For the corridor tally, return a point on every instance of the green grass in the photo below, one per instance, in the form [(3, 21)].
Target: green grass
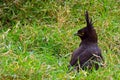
[(37, 41)]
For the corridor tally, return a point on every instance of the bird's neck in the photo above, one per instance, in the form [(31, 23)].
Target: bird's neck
[(89, 41)]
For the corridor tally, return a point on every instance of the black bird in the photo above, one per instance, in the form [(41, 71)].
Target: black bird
[(88, 55)]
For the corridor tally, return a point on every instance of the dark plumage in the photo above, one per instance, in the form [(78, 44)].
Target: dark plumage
[(88, 55)]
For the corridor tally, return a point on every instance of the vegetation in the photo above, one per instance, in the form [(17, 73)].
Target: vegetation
[(36, 38)]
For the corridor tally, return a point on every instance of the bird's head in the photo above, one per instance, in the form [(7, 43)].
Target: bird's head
[(88, 32)]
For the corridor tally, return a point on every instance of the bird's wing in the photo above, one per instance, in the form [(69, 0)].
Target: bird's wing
[(85, 56), (75, 56), (88, 56)]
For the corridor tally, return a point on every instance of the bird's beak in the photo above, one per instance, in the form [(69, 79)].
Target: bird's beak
[(75, 34)]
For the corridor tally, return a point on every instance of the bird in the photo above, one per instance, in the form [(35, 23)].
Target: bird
[(88, 55)]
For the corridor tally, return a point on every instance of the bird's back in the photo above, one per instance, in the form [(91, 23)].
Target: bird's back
[(85, 54)]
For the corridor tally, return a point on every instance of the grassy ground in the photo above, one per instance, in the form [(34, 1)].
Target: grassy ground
[(39, 48)]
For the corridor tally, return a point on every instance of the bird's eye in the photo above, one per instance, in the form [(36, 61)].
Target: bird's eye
[(82, 33)]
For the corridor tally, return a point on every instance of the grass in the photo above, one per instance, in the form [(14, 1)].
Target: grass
[(38, 43)]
